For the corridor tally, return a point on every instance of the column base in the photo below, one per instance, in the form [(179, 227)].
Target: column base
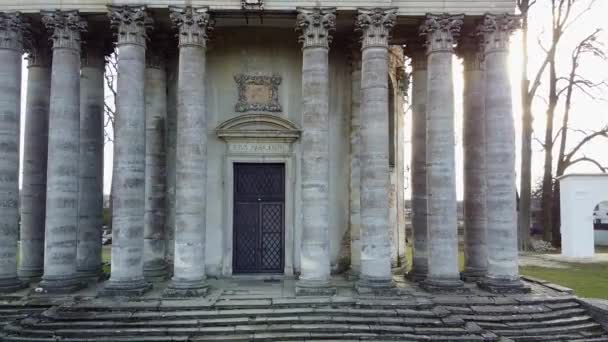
[(503, 286), (472, 275), (315, 288), (90, 275), (156, 272), (417, 274), (180, 288), (30, 275), (59, 285), (125, 288), (444, 285), (376, 287), (12, 285)]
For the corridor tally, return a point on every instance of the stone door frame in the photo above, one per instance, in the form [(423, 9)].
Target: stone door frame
[(260, 139)]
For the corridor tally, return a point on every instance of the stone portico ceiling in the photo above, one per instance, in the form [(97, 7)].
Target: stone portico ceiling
[(404, 7)]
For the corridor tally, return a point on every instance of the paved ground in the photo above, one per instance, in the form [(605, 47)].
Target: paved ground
[(557, 260)]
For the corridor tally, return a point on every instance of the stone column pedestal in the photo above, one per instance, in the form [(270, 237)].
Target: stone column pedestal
[(11, 49), (156, 113), (375, 276), (90, 203), (33, 192), (474, 142), (63, 155), (443, 273), (127, 277), (419, 269), (316, 25), (503, 268), (189, 277)]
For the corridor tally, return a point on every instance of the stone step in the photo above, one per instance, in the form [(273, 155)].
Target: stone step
[(536, 324), (67, 314), (525, 317), (406, 321), (564, 329)]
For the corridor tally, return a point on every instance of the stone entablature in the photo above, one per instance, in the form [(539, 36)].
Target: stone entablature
[(404, 7)]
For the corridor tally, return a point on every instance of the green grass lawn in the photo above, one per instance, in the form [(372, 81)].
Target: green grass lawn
[(587, 280)]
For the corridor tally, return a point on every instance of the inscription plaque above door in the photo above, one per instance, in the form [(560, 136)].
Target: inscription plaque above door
[(258, 93)]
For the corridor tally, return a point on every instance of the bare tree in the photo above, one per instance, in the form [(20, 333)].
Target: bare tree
[(563, 16), (109, 106), (527, 94)]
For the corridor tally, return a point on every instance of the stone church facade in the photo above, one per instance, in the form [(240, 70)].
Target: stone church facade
[(243, 146)]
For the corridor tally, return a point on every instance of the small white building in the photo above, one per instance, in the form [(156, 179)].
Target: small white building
[(583, 201)]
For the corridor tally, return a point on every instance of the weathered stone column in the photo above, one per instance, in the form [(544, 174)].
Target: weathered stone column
[(90, 201), (127, 276), (474, 140), (503, 271), (63, 154), (156, 113), (33, 192), (355, 164), (417, 53), (189, 277), (171, 143), (375, 25), (315, 25), (443, 273), (11, 48)]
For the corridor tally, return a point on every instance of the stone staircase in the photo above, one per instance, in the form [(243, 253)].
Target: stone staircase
[(437, 318)]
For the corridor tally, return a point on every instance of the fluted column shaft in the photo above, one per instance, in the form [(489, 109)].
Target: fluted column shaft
[(355, 163), (443, 273), (474, 142), (418, 162), (375, 25), (503, 270), (316, 25), (63, 154), (127, 277), (156, 113), (33, 192), (90, 202), (11, 48), (191, 173)]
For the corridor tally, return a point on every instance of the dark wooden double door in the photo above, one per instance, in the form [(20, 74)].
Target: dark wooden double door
[(259, 218)]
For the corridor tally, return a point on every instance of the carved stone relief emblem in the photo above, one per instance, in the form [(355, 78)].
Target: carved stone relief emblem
[(258, 93)]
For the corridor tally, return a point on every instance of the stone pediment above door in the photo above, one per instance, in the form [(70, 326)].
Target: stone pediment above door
[(258, 127)]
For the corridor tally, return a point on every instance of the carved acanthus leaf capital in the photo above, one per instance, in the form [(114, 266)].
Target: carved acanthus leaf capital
[(39, 49), (131, 24), (316, 25), (496, 31), (441, 31), (375, 25), (66, 28), (12, 30), (193, 24)]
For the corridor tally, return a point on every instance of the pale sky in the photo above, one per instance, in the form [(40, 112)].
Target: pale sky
[(587, 114)]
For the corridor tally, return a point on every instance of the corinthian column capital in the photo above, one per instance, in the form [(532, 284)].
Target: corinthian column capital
[(66, 28), (316, 25), (193, 24), (441, 31), (496, 31), (38, 48), (131, 23), (375, 24), (12, 29)]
